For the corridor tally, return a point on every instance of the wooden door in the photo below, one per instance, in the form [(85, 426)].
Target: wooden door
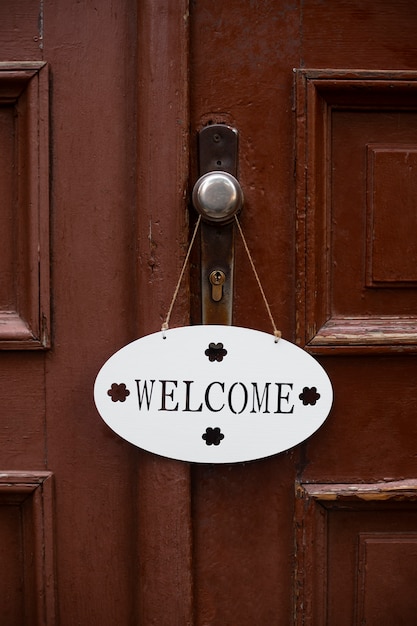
[(100, 105)]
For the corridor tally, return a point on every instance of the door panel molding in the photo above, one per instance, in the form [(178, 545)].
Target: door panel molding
[(344, 532), (24, 185), (29, 592), (356, 172)]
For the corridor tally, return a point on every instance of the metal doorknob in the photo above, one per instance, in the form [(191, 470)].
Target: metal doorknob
[(218, 196)]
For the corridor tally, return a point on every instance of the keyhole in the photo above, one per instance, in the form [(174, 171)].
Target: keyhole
[(217, 279)]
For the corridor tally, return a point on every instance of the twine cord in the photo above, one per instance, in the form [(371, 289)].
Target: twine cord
[(277, 333), (165, 325)]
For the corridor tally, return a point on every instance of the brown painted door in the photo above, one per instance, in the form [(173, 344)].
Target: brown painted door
[(100, 104)]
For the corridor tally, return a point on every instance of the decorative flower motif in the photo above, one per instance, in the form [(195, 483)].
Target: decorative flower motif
[(118, 393), (309, 395), (215, 352), (213, 436)]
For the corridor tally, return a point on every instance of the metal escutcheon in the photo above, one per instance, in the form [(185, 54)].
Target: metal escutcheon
[(218, 196)]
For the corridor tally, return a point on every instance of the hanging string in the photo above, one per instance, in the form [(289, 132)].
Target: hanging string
[(277, 333), (165, 325)]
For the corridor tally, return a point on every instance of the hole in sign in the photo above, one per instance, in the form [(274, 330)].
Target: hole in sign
[(215, 352), (213, 436)]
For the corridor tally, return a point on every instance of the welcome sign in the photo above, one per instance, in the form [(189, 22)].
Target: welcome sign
[(213, 394)]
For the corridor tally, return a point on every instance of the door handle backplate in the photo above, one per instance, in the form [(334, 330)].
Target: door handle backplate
[(218, 197)]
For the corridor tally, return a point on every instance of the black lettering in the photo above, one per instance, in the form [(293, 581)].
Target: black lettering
[(206, 398), (245, 398), (188, 384), (167, 394), (144, 393), (265, 396), (285, 398)]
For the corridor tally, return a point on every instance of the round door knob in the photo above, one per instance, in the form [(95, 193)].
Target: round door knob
[(217, 196)]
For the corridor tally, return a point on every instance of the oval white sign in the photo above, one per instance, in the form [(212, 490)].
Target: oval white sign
[(213, 394)]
